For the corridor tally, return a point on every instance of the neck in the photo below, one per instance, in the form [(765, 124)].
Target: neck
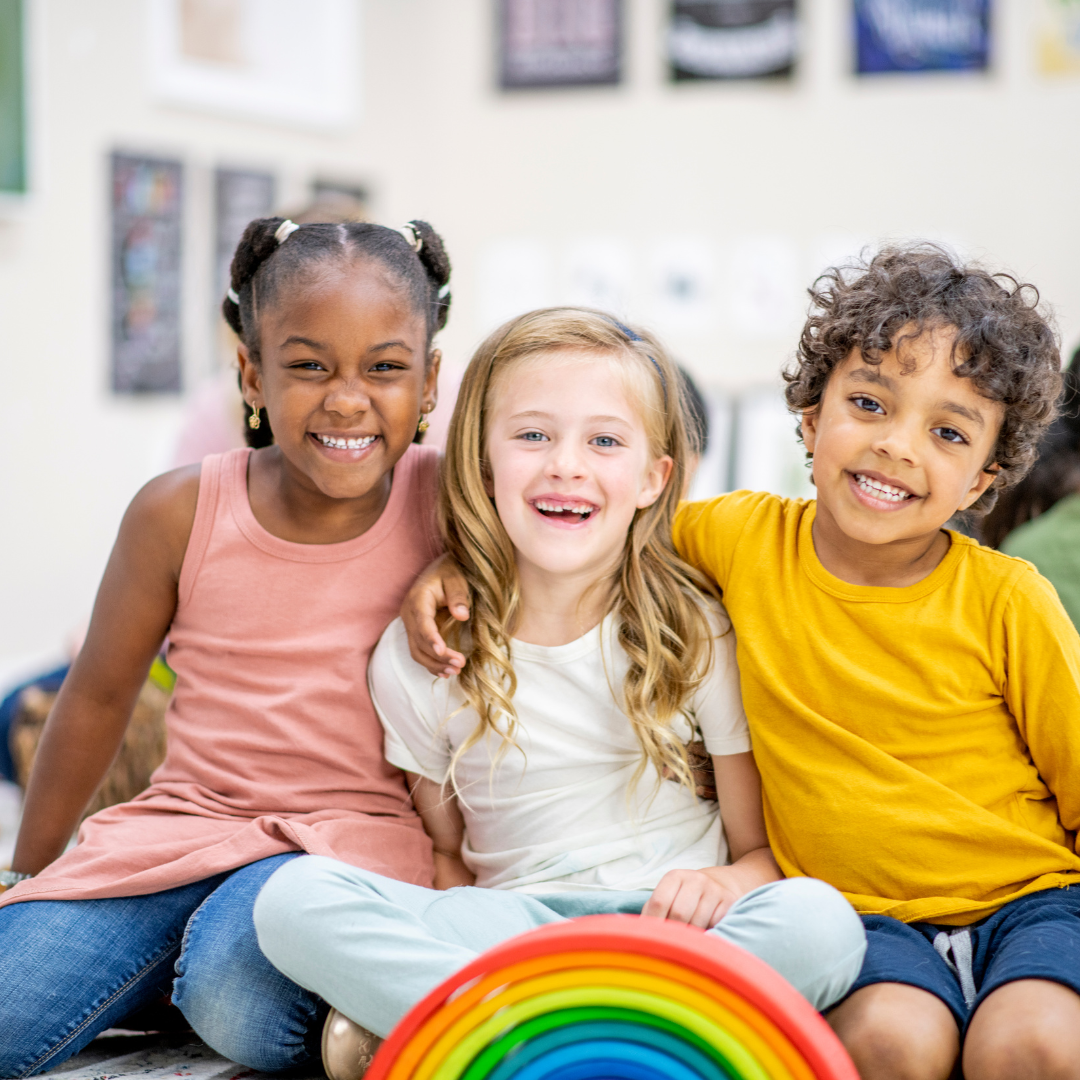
[(559, 608), (290, 507), (896, 564)]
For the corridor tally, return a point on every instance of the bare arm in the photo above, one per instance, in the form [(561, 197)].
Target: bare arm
[(441, 585), (135, 605), (703, 897), (441, 815)]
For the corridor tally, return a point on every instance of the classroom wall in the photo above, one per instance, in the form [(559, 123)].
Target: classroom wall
[(764, 182)]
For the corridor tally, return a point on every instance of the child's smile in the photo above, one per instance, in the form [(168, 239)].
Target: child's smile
[(899, 446)]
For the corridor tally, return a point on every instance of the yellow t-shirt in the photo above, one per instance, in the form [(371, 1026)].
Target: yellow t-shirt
[(919, 747)]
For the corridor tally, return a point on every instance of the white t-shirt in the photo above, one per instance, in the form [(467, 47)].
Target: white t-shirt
[(559, 814)]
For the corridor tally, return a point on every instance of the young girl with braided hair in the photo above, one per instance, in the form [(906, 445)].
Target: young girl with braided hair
[(540, 769), (272, 572)]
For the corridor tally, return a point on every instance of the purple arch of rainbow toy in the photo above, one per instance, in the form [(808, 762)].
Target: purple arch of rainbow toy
[(613, 997)]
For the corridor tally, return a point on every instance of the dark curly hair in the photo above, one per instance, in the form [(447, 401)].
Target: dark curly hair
[(263, 266), (1003, 343)]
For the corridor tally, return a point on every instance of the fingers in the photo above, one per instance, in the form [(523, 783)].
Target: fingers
[(457, 594), (690, 897)]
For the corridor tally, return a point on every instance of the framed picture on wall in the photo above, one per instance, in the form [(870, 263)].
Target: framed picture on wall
[(12, 99), (1059, 37), (732, 39), (546, 43), (292, 62), (240, 195), (146, 231), (921, 35)]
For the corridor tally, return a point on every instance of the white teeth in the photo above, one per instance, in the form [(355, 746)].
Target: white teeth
[(552, 508), (879, 490), (345, 444)]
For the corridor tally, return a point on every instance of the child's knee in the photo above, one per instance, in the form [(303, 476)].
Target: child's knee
[(288, 891), (814, 919)]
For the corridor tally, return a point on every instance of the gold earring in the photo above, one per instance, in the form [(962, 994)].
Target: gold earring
[(254, 420), (423, 425)]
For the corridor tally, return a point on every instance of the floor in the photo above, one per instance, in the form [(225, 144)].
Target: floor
[(157, 1057)]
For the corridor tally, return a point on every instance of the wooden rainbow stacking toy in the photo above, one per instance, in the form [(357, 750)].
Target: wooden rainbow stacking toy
[(615, 997)]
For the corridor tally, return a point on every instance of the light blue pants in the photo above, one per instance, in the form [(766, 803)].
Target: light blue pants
[(373, 947)]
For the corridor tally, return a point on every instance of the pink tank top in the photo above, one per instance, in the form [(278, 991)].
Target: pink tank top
[(273, 742)]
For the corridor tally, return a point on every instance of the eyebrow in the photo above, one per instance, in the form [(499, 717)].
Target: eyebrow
[(320, 346), (964, 411), (870, 375), (551, 416)]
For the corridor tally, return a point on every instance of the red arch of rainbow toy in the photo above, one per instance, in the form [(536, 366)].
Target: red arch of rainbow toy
[(613, 996)]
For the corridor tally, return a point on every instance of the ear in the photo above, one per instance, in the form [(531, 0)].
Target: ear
[(983, 480), (431, 381), (656, 478), (809, 428), (250, 376)]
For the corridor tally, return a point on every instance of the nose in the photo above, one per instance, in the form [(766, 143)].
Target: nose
[(347, 397), (565, 461), (898, 439)]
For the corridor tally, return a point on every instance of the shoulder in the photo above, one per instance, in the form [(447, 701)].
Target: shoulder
[(392, 667), (994, 571), (736, 509), (165, 506)]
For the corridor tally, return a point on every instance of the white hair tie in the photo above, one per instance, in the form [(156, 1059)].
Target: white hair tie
[(231, 294), (412, 237), (444, 292), (284, 231)]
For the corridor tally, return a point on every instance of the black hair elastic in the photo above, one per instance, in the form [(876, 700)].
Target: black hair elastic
[(637, 337)]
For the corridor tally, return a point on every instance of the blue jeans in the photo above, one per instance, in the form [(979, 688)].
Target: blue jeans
[(373, 947), (69, 969)]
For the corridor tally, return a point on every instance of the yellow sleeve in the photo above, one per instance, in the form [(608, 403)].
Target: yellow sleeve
[(706, 532), (1042, 687)]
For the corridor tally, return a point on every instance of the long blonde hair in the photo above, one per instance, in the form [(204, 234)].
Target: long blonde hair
[(662, 625)]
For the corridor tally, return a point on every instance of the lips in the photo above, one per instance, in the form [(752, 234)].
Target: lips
[(877, 491), (565, 510)]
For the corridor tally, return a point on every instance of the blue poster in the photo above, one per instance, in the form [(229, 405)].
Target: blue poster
[(921, 35)]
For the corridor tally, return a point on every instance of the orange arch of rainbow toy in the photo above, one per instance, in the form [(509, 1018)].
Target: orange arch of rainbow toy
[(618, 997)]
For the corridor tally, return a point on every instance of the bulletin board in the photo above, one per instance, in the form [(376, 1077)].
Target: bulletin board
[(146, 234), (12, 99)]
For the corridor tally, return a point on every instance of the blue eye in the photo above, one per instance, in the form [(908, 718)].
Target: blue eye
[(606, 440), (867, 404), (533, 436), (949, 434)]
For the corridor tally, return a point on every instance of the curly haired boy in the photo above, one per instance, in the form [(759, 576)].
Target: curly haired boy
[(913, 697)]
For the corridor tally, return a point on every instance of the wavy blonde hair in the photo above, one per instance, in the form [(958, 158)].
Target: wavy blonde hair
[(662, 624)]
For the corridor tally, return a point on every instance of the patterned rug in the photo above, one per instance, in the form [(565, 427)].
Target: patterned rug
[(158, 1057)]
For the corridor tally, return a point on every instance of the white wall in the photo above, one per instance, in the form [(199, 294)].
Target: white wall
[(788, 174)]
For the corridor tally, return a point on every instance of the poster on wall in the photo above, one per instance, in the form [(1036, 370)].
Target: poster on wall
[(240, 195), (12, 110), (291, 62), (921, 35), (146, 229), (545, 43), (732, 39), (1059, 37)]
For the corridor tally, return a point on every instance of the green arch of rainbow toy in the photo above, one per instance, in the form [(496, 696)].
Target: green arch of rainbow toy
[(616, 997)]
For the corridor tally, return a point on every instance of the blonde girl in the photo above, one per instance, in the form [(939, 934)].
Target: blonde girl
[(552, 773)]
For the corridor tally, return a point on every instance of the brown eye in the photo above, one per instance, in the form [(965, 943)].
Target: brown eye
[(949, 434)]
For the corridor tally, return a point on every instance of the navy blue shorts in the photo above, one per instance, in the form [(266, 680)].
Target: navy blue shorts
[(1035, 937)]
